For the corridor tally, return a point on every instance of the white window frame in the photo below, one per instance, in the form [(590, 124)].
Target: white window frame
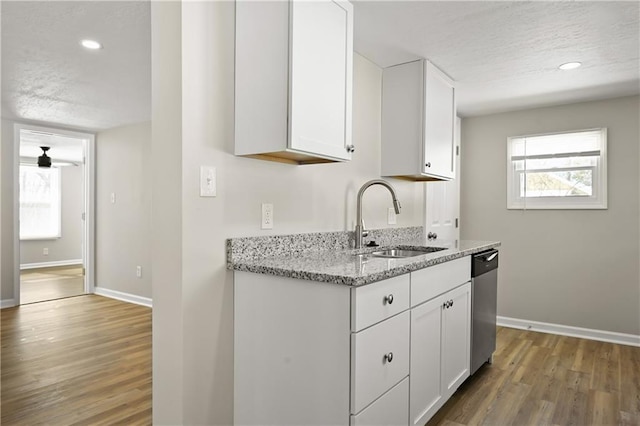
[(57, 235), (598, 199)]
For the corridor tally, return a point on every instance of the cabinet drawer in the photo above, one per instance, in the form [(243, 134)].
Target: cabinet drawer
[(390, 409), (375, 302), (430, 282), (379, 359)]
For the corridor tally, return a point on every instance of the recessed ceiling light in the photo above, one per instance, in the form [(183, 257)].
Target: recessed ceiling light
[(570, 66), (91, 44)]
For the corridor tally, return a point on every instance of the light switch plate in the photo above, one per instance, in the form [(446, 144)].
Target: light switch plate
[(207, 181)]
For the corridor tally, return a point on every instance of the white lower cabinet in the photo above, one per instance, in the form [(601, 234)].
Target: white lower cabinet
[(456, 338), (440, 352), (379, 359), (389, 353), (389, 410), (426, 331)]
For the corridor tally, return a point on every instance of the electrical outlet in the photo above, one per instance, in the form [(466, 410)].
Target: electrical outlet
[(45, 251), (113, 198), (139, 271), (267, 216), (391, 216)]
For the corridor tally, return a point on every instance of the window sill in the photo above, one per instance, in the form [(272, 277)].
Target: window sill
[(40, 238)]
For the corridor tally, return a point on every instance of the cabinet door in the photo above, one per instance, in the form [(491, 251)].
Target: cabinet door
[(321, 56), (456, 337), (439, 123), (425, 397)]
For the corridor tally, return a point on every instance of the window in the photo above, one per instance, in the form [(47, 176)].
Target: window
[(40, 201), (558, 171)]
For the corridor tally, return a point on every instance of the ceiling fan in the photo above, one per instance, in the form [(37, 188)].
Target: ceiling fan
[(44, 160)]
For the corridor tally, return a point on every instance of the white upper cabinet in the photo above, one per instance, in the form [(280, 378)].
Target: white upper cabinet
[(293, 82), (418, 119)]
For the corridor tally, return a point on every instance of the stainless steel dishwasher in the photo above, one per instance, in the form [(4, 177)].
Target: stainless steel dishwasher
[(484, 290)]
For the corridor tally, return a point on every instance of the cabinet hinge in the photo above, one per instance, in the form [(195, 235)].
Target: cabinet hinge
[(457, 149), (456, 222)]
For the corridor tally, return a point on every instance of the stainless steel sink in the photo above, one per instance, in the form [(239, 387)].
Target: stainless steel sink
[(401, 252)]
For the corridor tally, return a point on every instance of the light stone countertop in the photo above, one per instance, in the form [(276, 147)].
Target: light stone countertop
[(354, 267)]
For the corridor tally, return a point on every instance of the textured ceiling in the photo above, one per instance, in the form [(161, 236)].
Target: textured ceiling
[(47, 76), (504, 55)]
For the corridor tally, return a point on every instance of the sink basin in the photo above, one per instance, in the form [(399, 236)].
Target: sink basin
[(402, 253)]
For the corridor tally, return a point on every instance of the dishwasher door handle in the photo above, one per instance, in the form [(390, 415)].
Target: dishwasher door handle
[(491, 257)]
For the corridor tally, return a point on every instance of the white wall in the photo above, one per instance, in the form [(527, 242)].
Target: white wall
[(69, 246), (166, 213), (6, 204), (123, 228), (305, 198), (569, 267)]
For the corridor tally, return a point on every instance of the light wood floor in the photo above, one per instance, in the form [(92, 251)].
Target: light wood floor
[(87, 360), (544, 379), (81, 360), (41, 284)]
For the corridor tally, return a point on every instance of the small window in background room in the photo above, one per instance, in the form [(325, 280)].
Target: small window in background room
[(558, 171), (40, 203)]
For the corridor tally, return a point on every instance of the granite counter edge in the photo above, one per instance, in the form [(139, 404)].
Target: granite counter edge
[(362, 280)]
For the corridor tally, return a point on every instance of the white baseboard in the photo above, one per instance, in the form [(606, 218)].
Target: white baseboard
[(71, 262), (567, 330), (125, 297), (7, 303)]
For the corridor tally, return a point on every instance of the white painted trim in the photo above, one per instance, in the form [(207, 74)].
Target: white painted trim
[(567, 330), (71, 262), (7, 303), (125, 297), (89, 202), (89, 235), (16, 213)]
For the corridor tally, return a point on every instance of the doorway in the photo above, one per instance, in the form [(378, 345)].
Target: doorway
[(54, 218), (442, 202)]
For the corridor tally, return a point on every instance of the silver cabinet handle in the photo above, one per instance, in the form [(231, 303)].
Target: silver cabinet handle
[(388, 299), (388, 357), (351, 148)]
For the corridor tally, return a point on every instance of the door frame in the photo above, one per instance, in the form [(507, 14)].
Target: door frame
[(456, 181), (88, 234)]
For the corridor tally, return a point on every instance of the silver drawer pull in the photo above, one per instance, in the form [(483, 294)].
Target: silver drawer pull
[(388, 299), (388, 357)]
